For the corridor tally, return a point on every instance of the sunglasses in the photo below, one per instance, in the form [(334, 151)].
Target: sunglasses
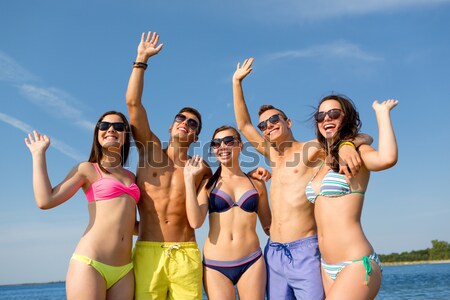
[(332, 113), (191, 123), (103, 126), (228, 141), (273, 120)]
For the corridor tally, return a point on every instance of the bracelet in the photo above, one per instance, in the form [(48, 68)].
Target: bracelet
[(346, 143), (141, 65)]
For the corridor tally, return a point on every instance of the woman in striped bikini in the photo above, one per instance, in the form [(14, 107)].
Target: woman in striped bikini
[(350, 267)]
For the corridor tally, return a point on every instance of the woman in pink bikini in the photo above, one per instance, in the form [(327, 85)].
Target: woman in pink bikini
[(101, 266)]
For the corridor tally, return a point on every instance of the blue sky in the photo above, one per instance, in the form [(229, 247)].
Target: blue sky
[(63, 64)]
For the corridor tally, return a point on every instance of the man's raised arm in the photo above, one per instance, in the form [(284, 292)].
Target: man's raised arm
[(140, 127), (242, 116)]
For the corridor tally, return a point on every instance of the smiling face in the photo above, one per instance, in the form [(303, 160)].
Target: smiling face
[(333, 117), (184, 130), (110, 136), (227, 152), (277, 131)]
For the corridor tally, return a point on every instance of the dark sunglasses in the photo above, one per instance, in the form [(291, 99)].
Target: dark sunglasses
[(228, 141), (332, 113), (103, 126), (273, 119), (191, 123)]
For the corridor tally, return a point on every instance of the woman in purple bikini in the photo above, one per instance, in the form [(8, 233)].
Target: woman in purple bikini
[(232, 253)]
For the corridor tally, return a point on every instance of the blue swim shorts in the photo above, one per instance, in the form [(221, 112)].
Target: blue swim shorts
[(293, 270)]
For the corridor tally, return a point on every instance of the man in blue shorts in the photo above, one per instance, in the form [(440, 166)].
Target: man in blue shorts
[(292, 254)]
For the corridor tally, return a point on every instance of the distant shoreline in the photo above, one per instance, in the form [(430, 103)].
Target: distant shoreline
[(400, 263), (420, 262)]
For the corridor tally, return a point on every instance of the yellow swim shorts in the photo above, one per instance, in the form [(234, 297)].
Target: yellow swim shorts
[(167, 270)]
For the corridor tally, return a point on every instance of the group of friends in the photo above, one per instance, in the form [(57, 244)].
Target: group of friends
[(316, 247)]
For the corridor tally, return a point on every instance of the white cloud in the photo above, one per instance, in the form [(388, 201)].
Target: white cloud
[(57, 103), (11, 71), (58, 145), (339, 49)]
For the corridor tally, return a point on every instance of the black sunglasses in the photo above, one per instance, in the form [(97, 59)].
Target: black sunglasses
[(332, 113), (103, 126), (193, 124), (227, 140), (273, 119)]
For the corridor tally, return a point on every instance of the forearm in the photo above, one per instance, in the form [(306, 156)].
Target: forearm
[(41, 182), (135, 86), (193, 211), (387, 144), (240, 107)]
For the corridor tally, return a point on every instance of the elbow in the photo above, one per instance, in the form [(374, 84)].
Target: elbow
[(43, 205), (131, 102), (386, 163), (391, 160), (195, 225)]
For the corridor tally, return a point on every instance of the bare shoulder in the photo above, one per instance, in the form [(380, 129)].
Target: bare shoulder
[(84, 168)]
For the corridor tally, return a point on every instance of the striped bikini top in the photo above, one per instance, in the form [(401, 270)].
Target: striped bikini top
[(220, 202), (333, 185)]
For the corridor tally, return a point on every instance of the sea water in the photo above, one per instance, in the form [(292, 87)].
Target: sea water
[(421, 281)]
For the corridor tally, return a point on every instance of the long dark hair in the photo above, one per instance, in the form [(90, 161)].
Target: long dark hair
[(349, 129), (216, 174), (96, 150)]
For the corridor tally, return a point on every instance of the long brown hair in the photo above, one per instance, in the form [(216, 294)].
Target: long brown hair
[(216, 174), (96, 150), (349, 129)]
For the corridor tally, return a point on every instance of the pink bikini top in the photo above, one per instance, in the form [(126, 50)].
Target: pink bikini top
[(107, 188)]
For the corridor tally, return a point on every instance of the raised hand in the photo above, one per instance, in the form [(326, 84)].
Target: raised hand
[(242, 71), (193, 166), (386, 105), (37, 143), (149, 45)]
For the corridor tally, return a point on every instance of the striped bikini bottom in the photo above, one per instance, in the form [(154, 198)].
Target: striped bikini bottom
[(333, 269)]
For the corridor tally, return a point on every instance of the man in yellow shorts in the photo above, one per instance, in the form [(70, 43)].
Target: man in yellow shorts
[(167, 261)]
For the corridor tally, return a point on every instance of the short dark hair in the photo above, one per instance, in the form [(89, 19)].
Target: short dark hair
[(267, 107), (195, 113)]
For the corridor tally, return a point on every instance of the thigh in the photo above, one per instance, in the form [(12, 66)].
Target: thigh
[(350, 283), (123, 289), (327, 282), (304, 273), (185, 272), (217, 285), (252, 284), (277, 286), (83, 282), (149, 274)]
